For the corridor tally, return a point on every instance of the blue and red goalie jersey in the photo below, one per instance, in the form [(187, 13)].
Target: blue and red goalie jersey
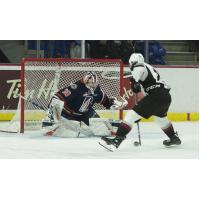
[(79, 100)]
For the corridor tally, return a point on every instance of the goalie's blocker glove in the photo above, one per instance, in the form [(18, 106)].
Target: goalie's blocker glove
[(135, 86)]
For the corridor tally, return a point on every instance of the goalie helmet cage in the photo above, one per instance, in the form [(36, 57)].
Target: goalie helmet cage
[(41, 77)]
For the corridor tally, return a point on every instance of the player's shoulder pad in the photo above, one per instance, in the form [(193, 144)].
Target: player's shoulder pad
[(73, 86)]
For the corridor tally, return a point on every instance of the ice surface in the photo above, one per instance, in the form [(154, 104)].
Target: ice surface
[(34, 145)]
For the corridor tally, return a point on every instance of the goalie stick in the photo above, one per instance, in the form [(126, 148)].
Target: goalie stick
[(3, 131)]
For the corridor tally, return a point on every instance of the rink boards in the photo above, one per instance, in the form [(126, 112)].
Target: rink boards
[(38, 115), (184, 92)]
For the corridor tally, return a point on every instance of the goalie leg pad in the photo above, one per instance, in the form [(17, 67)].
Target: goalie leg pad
[(100, 127), (55, 109), (66, 128)]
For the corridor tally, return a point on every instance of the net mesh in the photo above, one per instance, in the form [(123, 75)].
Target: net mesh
[(43, 78)]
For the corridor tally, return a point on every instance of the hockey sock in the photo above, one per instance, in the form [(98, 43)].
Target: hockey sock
[(169, 131), (123, 130)]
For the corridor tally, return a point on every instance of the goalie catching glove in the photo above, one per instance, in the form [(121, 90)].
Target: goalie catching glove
[(113, 103), (135, 86), (117, 105)]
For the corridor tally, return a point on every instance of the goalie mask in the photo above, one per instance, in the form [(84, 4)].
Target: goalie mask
[(90, 80), (135, 58)]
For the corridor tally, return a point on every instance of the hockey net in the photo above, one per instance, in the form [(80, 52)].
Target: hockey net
[(41, 78)]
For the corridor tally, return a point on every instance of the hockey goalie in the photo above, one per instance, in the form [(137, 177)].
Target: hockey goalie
[(71, 113)]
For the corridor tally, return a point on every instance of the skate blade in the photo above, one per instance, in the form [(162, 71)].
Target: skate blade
[(108, 147)]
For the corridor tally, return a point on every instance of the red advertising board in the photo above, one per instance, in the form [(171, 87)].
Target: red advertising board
[(9, 85)]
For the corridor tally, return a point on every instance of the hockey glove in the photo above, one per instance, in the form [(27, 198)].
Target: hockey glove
[(136, 87), (117, 105)]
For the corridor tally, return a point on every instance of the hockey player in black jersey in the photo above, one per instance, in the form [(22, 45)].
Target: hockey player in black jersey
[(75, 103), (156, 102)]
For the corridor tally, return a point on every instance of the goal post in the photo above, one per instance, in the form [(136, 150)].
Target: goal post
[(41, 77)]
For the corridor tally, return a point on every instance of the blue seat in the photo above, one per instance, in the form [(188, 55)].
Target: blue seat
[(156, 51), (31, 44)]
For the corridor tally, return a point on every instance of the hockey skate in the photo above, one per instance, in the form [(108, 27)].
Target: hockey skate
[(111, 143), (174, 140), (49, 127)]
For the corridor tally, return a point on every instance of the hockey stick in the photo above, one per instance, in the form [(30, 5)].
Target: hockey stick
[(127, 74), (32, 102), (137, 143), (115, 76), (35, 104), (3, 131)]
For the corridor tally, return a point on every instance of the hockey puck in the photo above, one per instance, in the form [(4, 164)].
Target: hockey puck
[(136, 143)]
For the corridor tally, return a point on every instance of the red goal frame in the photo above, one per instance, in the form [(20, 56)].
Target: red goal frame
[(59, 60)]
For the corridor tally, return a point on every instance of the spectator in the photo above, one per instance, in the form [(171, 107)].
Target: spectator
[(194, 45), (102, 49), (75, 49), (3, 57), (98, 48), (118, 49), (49, 48), (61, 49), (113, 48), (92, 48), (55, 48), (156, 51), (126, 49)]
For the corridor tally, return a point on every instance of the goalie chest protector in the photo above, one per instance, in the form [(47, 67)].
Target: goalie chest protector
[(79, 98)]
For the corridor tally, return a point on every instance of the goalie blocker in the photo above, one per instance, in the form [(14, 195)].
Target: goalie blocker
[(75, 102)]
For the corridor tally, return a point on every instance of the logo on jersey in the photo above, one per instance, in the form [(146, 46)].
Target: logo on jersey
[(152, 87), (86, 104)]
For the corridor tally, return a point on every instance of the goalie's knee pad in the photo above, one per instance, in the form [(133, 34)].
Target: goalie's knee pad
[(55, 109), (66, 133), (55, 101)]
